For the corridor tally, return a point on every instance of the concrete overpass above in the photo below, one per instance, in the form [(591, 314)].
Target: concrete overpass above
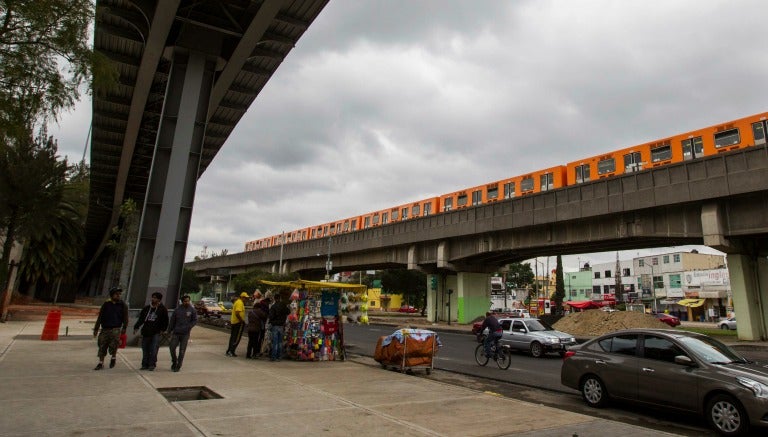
[(719, 201), (187, 72)]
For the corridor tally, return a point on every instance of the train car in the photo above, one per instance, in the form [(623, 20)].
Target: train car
[(732, 135), (473, 196), (543, 180), (421, 208)]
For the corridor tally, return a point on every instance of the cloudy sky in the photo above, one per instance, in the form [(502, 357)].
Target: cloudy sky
[(384, 102)]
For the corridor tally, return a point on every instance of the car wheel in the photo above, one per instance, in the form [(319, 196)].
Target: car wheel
[(724, 326), (726, 415), (537, 351), (593, 391)]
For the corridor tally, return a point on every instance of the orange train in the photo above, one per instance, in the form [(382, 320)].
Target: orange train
[(732, 135)]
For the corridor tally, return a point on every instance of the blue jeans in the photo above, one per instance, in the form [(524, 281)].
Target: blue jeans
[(277, 342), (149, 345), (178, 341), (490, 339)]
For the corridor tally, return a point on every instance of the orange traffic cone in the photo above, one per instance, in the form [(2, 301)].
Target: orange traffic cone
[(51, 328)]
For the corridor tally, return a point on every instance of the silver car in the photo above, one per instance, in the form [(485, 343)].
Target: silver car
[(729, 323), (531, 335), (681, 370)]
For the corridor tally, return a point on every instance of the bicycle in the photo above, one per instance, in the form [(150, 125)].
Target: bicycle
[(502, 354)]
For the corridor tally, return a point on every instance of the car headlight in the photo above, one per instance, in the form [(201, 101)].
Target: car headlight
[(551, 340), (759, 389)]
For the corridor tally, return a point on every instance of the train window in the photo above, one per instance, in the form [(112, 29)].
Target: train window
[(415, 211), (405, 213), (509, 190), (758, 131), (526, 184), (395, 214), (693, 148), (313, 233), (332, 229), (477, 197), (325, 230), (727, 138), (662, 153), (547, 181), (427, 209), (447, 204), (346, 226), (461, 200), (632, 162), (375, 220), (367, 223), (354, 224), (582, 173), (493, 193), (303, 235), (606, 166), (384, 218)]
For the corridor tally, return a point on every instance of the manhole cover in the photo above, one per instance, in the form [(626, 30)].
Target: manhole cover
[(178, 394)]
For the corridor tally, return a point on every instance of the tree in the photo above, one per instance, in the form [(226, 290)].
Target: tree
[(249, 281), (520, 276), (412, 284), (559, 286), (189, 282), (45, 57)]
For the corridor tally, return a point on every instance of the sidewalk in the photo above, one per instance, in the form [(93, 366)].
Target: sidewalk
[(50, 389)]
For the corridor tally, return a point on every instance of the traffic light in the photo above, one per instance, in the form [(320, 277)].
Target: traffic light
[(433, 283)]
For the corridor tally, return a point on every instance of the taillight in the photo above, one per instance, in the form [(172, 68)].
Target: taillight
[(568, 354)]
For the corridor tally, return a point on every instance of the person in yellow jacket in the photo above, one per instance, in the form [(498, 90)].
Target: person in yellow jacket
[(237, 323)]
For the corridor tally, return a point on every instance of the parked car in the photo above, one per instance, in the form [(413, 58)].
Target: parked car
[(672, 321), (226, 307), (531, 335), (680, 370), (208, 309), (729, 323), (608, 309), (407, 309)]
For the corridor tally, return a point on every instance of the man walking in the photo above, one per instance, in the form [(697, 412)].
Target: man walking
[(184, 318), (278, 313), (153, 320), (237, 323), (113, 320)]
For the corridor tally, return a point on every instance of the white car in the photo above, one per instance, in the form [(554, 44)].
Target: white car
[(729, 323), (519, 312)]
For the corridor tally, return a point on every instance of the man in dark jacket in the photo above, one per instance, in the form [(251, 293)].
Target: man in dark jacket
[(153, 320), (113, 320), (494, 332), (184, 318), (278, 313)]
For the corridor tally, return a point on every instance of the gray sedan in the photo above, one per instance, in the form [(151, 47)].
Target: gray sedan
[(530, 335), (681, 370), (729, 323)]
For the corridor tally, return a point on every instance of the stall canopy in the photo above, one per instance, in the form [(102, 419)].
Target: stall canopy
[(303, 283), (691, 302), (584, 305)]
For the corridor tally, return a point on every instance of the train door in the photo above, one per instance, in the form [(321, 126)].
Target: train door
[(758, 131), (633, 161), (693, 148)]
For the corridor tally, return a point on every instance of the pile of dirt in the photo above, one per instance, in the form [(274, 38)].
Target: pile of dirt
[(597, 322)]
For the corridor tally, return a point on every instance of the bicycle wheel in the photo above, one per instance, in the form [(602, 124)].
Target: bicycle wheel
[(480, 355), (504, 359)]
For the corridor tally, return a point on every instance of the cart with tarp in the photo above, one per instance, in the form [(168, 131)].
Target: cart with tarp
[(407, 349), (315, 330)]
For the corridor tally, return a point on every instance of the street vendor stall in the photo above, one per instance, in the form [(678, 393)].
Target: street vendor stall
[(315, 328), (408, 348)]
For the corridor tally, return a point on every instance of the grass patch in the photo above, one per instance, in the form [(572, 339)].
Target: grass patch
[(712, 332)]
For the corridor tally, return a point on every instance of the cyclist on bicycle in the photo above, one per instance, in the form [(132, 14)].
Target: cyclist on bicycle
[(494, 332)]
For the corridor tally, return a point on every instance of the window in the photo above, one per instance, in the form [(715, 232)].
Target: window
[(573, 293), (373, 303), (597, 275), (448, 204), (415, 210), (727, 138), (509, 190), (674, 281), (547, 181), (606, 166), (758, 131), (461, 201), (427, 209), (660, 349), (655, 261), (405, 213), (693, 148), (493, 192), (582, 173), (606, 289), (395, 215), (625, 272), (505, 324), (526, 184), (477, 197), (375, 219), (661, 153), (607, 273), (325, 230), (632, 162), (658, 282), (346, 226), (367, 223), (518, 325), (595, 289), (641, 263), (332, 229), (384, 218), (676, 257), (620, 344)]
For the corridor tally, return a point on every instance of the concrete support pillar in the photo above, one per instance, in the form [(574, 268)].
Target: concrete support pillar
[(472, 296), (170, 195), (749, 279)]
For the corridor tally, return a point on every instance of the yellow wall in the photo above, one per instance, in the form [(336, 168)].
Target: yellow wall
[(375, 302)]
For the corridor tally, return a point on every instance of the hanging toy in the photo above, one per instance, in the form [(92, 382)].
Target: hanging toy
[(364, 297)]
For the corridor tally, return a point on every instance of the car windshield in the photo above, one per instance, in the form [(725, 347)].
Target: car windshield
[(227, 305), (712, 351), (535, 325)]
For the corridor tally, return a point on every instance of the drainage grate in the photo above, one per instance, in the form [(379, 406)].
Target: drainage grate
[(179, 394)]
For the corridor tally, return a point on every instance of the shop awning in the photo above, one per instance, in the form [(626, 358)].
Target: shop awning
[(583, 305), (691, 302), (303, 283)]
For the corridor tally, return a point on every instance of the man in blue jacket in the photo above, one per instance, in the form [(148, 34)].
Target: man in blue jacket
[(184, 318)]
